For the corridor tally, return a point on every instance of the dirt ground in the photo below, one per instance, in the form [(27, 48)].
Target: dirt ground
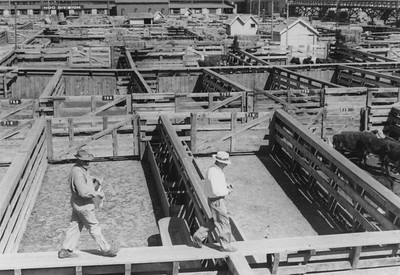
[(127, 217), (265, 203)]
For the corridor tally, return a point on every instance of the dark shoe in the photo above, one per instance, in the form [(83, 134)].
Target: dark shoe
[(228, 249), (64, 253), (112, 252)]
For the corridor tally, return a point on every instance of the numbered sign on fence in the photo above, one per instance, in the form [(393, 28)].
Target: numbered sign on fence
[(108, 97), (9, 123), (15, 101)]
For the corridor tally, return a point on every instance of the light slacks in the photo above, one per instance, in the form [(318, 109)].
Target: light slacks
[(79, 218), (220, 222)]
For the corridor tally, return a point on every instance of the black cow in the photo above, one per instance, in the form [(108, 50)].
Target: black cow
[(308, 60), (390, 152), (295, 60), (361, 144), (320, 61)]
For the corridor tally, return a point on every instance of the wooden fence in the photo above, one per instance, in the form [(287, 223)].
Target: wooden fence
[(379, 105), (355, 198), (20, 186), (392, 127), (106, 137), (358, 77)]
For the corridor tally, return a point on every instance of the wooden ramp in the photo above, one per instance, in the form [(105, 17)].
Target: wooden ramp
[(342, 252)]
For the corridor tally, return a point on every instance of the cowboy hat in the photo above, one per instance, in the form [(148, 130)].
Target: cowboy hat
[(222, 157), (84, 155)]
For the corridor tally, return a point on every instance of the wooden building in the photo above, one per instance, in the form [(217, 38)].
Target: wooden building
[(300, 33), (125, 7), (242, 25)]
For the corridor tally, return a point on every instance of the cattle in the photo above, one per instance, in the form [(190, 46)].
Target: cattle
[(320, 61), (364, 143), (295, 60), (359, 143), (308, 60)]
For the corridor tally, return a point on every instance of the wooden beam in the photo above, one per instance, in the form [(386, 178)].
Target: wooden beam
[(238, 265), (225, 102), (105, 107), (17, 129), (94, 137), (16, 109), (277, 99), (48, 91)]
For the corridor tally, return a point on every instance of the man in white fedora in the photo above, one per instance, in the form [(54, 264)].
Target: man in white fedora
[(216, 189), (83, 191)]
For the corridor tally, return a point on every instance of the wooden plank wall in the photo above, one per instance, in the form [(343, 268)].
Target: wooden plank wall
[(94, 84), (30, 85), (356, 199), (344, 109), (249, 80), (379, 104), (20, 187), (177, 84)]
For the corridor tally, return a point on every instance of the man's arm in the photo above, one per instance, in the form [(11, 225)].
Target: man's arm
[(84, 190)]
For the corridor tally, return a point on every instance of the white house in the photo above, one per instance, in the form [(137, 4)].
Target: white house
[(300, 33), (158, 16), (241, 25), (140, 18)]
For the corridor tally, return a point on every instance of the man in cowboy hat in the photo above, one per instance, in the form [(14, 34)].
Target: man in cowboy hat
[(83, 191), (216, 188)]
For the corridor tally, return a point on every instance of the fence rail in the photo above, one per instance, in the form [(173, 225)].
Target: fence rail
[(20, 186)]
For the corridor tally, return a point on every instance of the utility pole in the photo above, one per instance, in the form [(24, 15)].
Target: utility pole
[(272, 20), (259, 9), (222, 7), (15, 25), (287, 23)]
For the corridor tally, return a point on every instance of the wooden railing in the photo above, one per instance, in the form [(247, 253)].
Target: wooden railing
[(355, 198), (107, 137), (378, 107), (346, 54), (280, 79), (357, 77), (20, 186)]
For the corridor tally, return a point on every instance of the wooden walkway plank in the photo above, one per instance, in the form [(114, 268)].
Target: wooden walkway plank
[(169, 254)]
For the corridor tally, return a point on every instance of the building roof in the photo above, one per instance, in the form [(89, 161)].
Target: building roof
[(147, 2), (281, 28), (140, 15), (198, 5), (243, 18)]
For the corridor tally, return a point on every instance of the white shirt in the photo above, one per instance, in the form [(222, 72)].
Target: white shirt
[(215, 183)]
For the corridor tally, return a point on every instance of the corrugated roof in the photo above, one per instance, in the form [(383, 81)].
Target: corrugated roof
[(146, 2), (140, 15)]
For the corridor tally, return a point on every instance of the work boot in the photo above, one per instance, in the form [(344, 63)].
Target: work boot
[(197, 242), (112, 252), (228, 249), (64, 253)]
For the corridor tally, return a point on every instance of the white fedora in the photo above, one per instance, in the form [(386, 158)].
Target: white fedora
[(222, 157)]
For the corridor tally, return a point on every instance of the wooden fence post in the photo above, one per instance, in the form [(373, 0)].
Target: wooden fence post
[(135, 128), (105, 122), (233, 126), (193, 132), (70, 131), (49, 139), (115, 142), (92, 107), (129, 104)]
